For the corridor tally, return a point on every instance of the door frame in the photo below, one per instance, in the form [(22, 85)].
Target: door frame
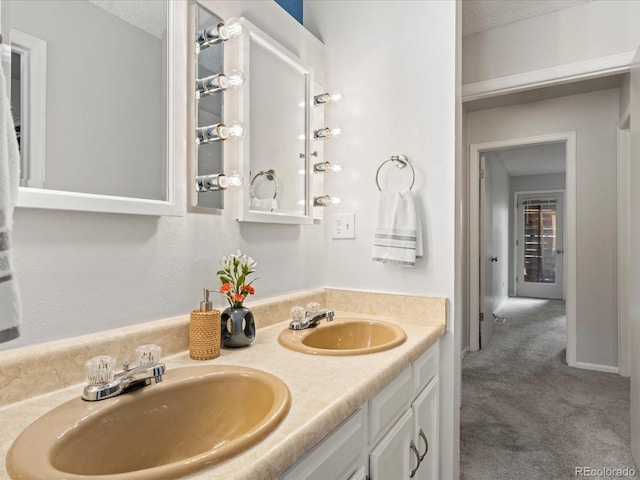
[(516, 233), (569, 138)]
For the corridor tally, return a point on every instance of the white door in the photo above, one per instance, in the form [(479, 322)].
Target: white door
[(539, 246), (486, 236), (486, 267)]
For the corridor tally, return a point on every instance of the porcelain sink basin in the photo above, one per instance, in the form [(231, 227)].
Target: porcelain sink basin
[(196, 418), (345, 335)]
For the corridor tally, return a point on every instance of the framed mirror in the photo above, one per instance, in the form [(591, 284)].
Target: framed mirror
[(99, 108), (276, 107)]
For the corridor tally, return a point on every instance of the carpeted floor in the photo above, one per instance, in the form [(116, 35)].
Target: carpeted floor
[(527, 415)]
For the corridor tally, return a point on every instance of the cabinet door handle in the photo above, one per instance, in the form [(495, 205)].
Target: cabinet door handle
[(412, 447), (426, 444)]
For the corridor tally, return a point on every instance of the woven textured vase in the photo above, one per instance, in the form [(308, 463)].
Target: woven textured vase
[(204, 335)]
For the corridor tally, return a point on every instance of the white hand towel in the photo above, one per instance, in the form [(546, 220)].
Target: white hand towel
[(264, 204), (10, 307), (398, 234)]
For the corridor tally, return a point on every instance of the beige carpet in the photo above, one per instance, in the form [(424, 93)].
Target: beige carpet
[(527, 415)]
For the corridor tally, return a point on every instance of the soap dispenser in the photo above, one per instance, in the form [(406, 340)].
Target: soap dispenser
[(204, 331)]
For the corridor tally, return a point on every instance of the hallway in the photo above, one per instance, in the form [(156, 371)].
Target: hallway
[(526, 414)]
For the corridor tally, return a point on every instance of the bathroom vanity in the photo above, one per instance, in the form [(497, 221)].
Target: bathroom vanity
[(350, 416)]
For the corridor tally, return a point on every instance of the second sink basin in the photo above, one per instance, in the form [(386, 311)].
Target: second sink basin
[(197, 417), (346, 335)]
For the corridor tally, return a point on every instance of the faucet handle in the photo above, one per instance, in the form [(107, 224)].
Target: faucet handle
[(297, 313), (100, 370), (148, 354), (313, 307)]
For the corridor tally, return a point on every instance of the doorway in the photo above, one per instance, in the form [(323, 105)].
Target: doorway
[(539, 245), (479, 258)]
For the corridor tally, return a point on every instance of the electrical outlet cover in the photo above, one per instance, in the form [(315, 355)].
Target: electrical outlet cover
[(343, 225)]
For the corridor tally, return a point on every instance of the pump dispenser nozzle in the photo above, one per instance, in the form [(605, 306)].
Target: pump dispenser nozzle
[(205, 304)]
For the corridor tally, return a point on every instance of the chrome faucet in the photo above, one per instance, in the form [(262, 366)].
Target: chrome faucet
[(311, 317), (103, 383)]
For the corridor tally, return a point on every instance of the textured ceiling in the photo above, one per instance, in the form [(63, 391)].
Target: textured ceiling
[(147, 15), (481, 15)]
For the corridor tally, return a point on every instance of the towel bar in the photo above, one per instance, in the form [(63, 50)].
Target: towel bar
[(400, 161)]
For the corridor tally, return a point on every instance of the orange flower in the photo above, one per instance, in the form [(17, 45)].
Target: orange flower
[(248, 289), (226, 287), (237, 297)]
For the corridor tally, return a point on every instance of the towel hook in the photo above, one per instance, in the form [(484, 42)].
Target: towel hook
[(400, 161)]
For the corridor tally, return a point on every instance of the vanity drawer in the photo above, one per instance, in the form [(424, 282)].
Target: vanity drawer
[(425, 367), (338, 456), (389, 404)]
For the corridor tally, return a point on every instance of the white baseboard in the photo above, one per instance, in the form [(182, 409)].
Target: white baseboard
[(596, 367), (464, 352)]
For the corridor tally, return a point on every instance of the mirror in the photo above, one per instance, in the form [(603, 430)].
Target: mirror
[(93, 94), (274, 156)]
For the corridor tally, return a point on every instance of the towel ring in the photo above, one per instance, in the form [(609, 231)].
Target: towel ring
[(271, 175), (400, 161)]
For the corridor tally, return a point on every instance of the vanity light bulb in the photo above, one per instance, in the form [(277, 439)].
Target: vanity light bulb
[(232, 180), (235, 79), (326, 98), (212, 133), (325, 201), (324, 133), (212, 84), (327, 166), (236, 130), (234, 27)]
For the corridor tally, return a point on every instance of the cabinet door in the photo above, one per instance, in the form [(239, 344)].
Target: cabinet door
[(426, 431), (395, 457), (338, 456)]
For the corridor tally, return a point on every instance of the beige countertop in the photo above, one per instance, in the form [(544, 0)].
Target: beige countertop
[(325, 390)]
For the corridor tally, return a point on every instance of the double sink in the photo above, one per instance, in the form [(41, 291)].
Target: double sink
[(195, 418)]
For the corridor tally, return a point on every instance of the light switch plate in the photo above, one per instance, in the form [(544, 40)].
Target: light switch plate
[(344, 225)]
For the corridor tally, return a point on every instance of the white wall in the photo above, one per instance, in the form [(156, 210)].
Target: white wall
[(86, 272), (592, 30), (528, 183), (594, 117), (398, 98), (400, 108), (496, 230)]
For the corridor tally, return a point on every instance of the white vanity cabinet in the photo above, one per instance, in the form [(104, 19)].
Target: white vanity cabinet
[(408, 449), (338, 456), (394, 436)]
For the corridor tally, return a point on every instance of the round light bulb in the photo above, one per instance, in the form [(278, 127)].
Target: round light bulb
[(235, 27), (235, 79), (236, 130), (232, 180)]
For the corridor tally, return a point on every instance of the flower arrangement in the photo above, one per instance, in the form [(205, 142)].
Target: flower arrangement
[(233, 278)]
